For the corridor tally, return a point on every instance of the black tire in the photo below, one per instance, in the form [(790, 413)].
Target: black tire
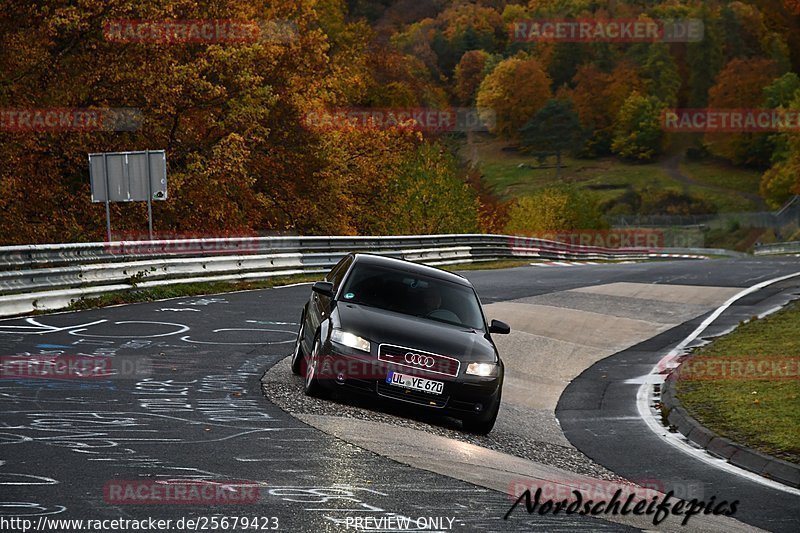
[(482, 425), (478, 427), (311, 385), (298, 357)]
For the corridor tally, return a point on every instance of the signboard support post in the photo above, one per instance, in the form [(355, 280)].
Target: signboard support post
[(149, 195), (108, 209)]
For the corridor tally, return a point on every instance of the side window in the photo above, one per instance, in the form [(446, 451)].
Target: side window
[(337, 274), (330, 275)]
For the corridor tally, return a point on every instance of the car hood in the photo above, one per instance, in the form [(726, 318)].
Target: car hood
[(387, 327)]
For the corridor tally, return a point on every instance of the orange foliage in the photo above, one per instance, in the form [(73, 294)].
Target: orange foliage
[(598, 96), (469, 74), (516, 89), (740, 84)]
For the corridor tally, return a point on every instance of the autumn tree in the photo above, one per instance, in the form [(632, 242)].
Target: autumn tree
[(468, 75), (197, 100), (514, 91), (740, 36), (396, 79), (441, 41), (464, 27), (598, 97), (553, 209), (782, 180), (740, 84), (230, 115), (429, 197)]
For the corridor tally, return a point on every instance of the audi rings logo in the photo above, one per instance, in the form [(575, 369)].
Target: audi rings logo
[(419, 360)]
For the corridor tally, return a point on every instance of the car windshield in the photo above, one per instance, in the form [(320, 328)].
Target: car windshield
[(413, 294)]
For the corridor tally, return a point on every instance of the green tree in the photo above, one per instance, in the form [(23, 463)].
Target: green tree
[(705, 58), (661, 76), (782, 91), (554, 129), (638, 134), (779, 95), (782, 180), (564, 62)]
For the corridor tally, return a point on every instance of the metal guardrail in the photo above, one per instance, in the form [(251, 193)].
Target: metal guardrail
[(51, 276), (792, 247), (788, 215)]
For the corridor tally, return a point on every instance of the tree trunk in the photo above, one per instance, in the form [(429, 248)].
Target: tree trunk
[(558, 164)]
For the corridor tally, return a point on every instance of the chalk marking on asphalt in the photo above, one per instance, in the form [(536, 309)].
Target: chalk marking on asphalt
[(677, 439), (182, 328), (292, 333), (41, 328)]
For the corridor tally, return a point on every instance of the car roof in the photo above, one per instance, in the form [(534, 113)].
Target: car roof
[(409, 266)]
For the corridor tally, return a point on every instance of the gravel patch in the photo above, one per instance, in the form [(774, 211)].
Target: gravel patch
[(509, 436)]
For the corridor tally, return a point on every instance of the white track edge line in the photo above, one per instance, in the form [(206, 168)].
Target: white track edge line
[(679, 442)]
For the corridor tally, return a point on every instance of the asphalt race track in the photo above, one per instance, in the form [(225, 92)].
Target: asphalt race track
[(187, 405)]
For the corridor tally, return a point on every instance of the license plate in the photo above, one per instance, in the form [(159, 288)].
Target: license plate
[(414, 383)]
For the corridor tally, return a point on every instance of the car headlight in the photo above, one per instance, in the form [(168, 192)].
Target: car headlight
[(482, 369), (348, 339)]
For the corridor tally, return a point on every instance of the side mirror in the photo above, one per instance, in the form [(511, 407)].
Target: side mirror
[(325, 288), (499, 327)]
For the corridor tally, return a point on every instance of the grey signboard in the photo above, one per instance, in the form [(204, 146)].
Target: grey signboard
[(128, 176)]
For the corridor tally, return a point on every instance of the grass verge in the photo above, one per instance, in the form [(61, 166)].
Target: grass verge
[(761, 414), (510, 174), (720, 174)]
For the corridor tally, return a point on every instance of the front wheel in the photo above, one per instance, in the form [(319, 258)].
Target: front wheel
[(481, 426), (311, 385), (298, 357)]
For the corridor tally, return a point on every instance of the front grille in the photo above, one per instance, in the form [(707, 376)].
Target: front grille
[(419, 360), (412, 396)]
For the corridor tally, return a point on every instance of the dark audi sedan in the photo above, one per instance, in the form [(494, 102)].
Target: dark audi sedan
[(405, 332)]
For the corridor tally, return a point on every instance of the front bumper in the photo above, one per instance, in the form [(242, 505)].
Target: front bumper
[(347, 369)]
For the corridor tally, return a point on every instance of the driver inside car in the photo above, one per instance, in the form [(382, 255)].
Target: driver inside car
[(432, 299)]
